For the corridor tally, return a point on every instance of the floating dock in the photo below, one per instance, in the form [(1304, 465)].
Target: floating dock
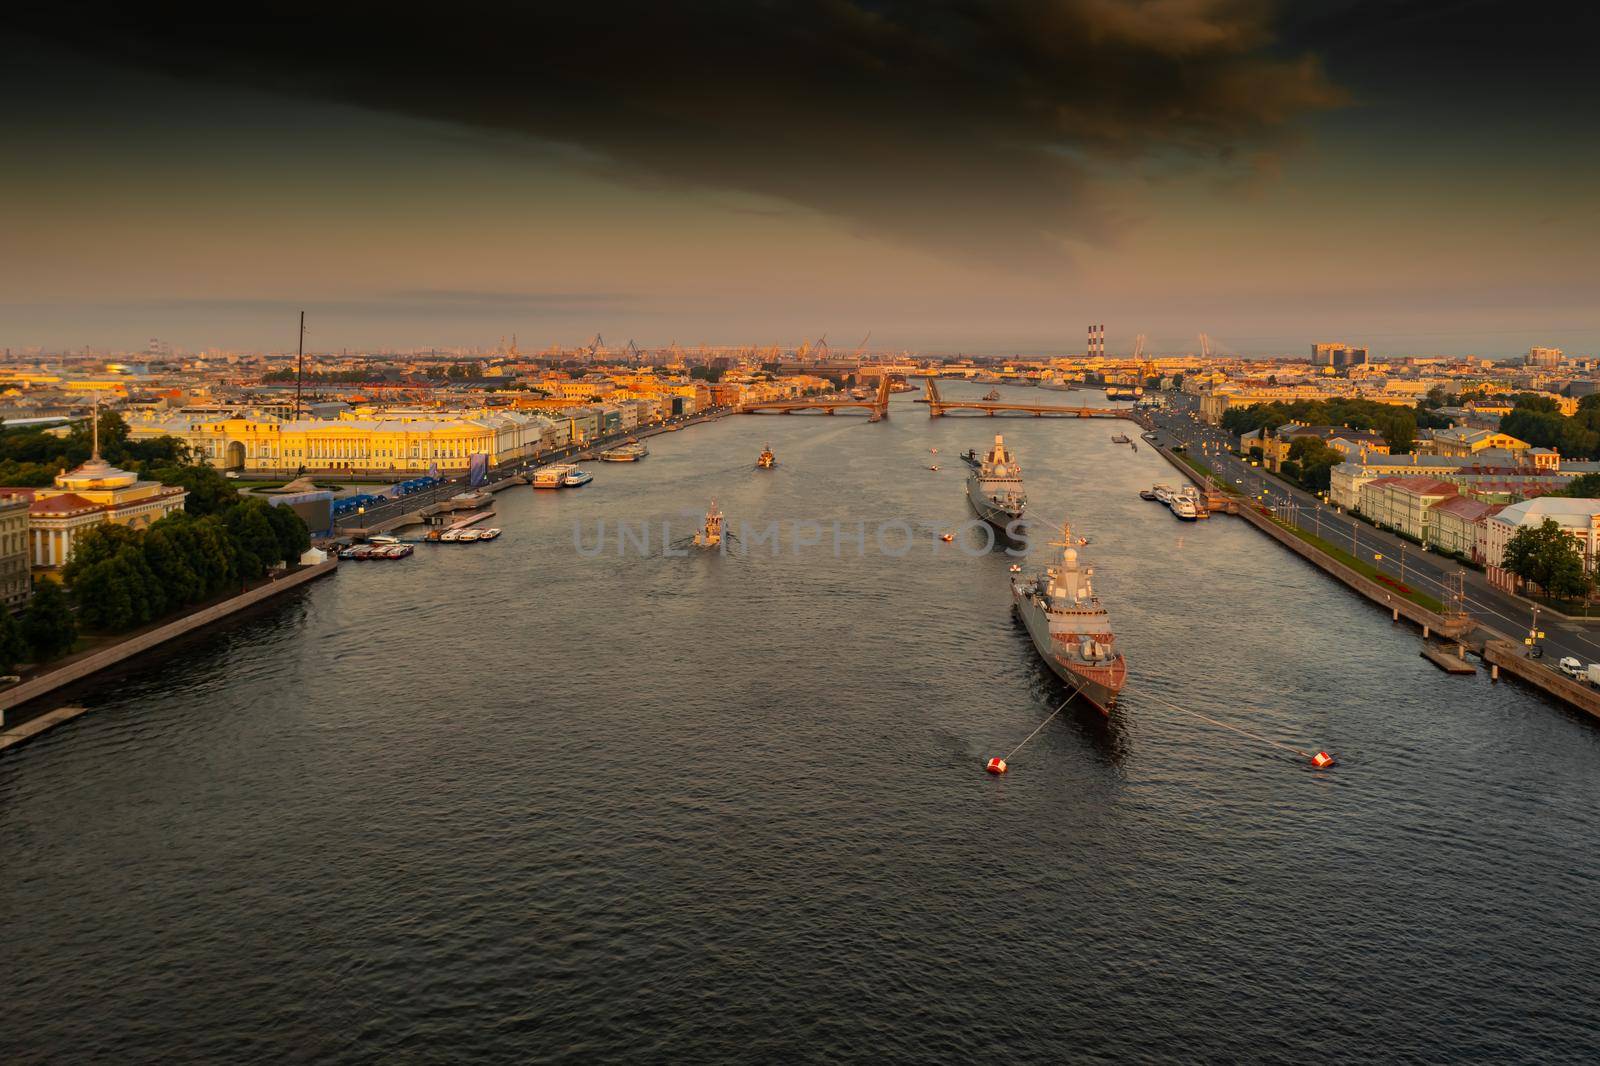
[(1446, 660)]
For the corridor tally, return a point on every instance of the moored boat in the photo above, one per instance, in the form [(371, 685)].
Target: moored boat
[(1070, 627), (552, 477), (631, 452), (995, 490), (490, 534), (576, 478)]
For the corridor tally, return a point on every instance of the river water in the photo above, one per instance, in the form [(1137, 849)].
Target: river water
[(509, 802)]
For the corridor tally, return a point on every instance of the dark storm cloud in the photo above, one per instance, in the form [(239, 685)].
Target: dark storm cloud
[(970, 126)]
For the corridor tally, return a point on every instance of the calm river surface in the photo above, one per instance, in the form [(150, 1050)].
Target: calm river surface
[(506, 802)]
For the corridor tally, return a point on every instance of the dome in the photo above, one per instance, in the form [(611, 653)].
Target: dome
[(96, 474), (1070, 555)]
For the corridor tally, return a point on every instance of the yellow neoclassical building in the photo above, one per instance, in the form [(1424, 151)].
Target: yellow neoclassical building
[(95, 492), (399, 443)]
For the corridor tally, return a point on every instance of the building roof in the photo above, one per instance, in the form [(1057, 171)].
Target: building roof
[(1569, 512), (63, 504), (1416, 486), (1467, 509)]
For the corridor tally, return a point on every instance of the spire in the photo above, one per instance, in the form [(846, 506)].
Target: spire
[(95, 457)]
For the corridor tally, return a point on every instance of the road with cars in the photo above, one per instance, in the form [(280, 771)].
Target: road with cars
[(1509, 616)]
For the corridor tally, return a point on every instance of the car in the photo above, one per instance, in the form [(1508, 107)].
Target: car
[(232, 474)]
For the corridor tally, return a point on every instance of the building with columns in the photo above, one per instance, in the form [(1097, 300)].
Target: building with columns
[(401, 443), (95, 492)]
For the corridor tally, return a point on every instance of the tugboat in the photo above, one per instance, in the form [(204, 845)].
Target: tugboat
[(1121, 438), (994, 489), (1070, 628), (766, 460), (710, 535)]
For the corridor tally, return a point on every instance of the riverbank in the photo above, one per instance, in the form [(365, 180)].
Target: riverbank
[(1400, 601), (86, 665)]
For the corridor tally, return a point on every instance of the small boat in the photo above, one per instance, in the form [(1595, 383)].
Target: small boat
[(385, 539), (1164, 493), (361, 551), (490, 534), (710, 535), (577, 478), (1016, 569), (1121, 438), (349, 553), (947, 537), (935, 466), (469, 535), (1184, 508), (766, 460), (450, 536), (992, 395), (935, 451), (1147, 494), (394, 551)]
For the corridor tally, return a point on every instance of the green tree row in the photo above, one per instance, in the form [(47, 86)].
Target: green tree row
[(121, 577), (1539, 421), (31, 457), (1397, 424)]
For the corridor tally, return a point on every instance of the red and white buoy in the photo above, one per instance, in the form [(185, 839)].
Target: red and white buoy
[(996, 765), (1322, 760)]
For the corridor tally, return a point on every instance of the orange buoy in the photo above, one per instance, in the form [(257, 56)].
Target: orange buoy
[(1322, 760), (996, 765)]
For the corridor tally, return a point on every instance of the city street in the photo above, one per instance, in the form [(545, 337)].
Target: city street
[(1509, 615)]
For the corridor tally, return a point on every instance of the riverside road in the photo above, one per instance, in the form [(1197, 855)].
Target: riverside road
[(1510, 615)]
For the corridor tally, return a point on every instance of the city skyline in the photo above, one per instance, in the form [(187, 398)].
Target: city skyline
[(949, 179)]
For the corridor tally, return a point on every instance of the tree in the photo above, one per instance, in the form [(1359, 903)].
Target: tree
[(105, 596), (48, 625), (290, 529), (251, 530), (97, 544), (1315, 460), (209, 491), (168, 560), (13, 649), (1547, 557)]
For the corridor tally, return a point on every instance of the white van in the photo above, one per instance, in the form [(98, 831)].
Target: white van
[(1571, 667)]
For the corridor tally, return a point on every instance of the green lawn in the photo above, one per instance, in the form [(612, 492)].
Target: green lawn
[(1362, 567)]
